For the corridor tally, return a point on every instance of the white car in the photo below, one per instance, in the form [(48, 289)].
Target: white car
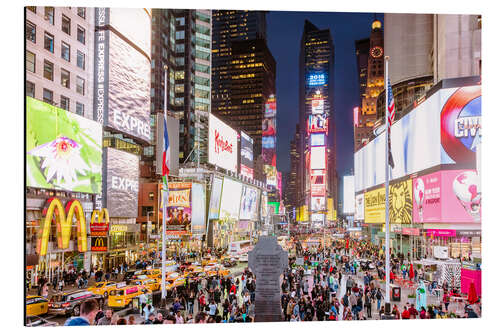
[(243, 257)]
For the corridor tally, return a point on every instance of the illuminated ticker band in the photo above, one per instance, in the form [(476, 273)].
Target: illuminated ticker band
[(64, 218)]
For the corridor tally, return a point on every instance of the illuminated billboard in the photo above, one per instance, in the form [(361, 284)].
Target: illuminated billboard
[(269, 132), (222, 144), (318, 183), (274, 207), (270, 107), (447, 196), (317, 106), (230, 200), (121, 183), (263, 205), (348, 204), (246, 155), (444, 129), (317, 123), (375, 206), (198, 207), (122, 72), (359, 213), (316, 79), (318, 139), (317, 218), (271, 175), (318, 157), (400, 202), (215, 195), (178, 219), (249, 203), (318, 203), (63, 150)]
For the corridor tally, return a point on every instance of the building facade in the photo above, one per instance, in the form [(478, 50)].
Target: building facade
[(316, 174)]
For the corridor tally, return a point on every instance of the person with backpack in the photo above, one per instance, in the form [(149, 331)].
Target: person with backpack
[(378, 296)]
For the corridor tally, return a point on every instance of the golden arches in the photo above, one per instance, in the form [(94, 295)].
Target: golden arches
[(64, 218), (100, 214)]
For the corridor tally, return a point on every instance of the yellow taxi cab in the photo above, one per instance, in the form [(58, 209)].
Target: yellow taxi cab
[(150, 284), (36, 305), (153, 273), (121, 297), (103, 288), (208, 261), (177, 282), (216, 270), (193, 269)]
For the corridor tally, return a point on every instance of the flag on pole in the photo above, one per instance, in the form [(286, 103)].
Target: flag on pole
[(166, 151), (391, 113)]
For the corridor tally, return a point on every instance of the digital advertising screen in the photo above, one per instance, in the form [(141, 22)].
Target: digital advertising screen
[(348, 204), (121, 181), (318, 158), (248, 208), (63, 149), (222, 145), (401, 202), (318, 139), (447, 196), (316, 79), (443, 129), (274, 207), (246, 157), (359, 213), (375, 206), (198, 207), (318, 183), (138, 33), (215, 196), (231, 199), (270, 107), (317, 123), (330, 215), (318, 203), (317, 218), (271, 175), (263, 205), (178, 219), (317, 106)]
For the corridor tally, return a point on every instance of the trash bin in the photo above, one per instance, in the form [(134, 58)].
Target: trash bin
[(396, 294)]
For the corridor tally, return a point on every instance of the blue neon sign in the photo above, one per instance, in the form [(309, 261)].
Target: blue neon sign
[(316, 79)]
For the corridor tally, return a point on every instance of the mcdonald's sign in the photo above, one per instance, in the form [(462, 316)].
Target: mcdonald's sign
[(63, 218), (98, 227), (99, 244)]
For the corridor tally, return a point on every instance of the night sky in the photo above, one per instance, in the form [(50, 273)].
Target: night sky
[(284, 31)]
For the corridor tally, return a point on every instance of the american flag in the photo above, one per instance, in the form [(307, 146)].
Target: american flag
[(391, 113), (166, 151)]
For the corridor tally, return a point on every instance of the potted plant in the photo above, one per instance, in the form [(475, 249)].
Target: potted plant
[(411, 298)]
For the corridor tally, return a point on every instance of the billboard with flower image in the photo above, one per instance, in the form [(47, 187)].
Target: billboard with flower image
[(63, 150)]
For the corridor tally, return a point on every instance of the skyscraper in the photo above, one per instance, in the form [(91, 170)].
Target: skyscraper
[(316, 174), (372, 84)]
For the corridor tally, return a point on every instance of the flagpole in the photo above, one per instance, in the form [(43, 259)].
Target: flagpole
[(165, 201), (387, 306)]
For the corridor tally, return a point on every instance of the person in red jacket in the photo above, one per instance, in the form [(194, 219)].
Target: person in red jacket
[(406, 313), (232, 290), (413, 312), (391, 277)]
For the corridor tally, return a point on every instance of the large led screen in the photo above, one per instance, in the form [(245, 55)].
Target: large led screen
[(198, 205), (316, 79), (179, 210), (129, 89), (263, 206), (317, 106), (400, 202), (121, 173), (317, 123), (375, 206), (246, 165), (271, 175), (222, 145), (444, 129), (318, 203), (63, 150), (318, 183), (318, 158), (448, 196), (215, 195), (230, 200), (359, 213), (138, 33), (348, 204), (318, 139), (249, 200)]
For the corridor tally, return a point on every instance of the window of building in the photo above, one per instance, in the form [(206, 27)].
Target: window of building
[(81, 11), (49, 14), (80, 108), (180, 21), (48, 96), (48, 70), (49, 42), (179, 88), (30, 89), (66, 25), (30, 61), (30, 31), (32, 8), (80, 34), (65, 51), (179, 34), (80, 59), (64, 103), (80, 85), (179, 75), (179, 48), (64, 78)]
